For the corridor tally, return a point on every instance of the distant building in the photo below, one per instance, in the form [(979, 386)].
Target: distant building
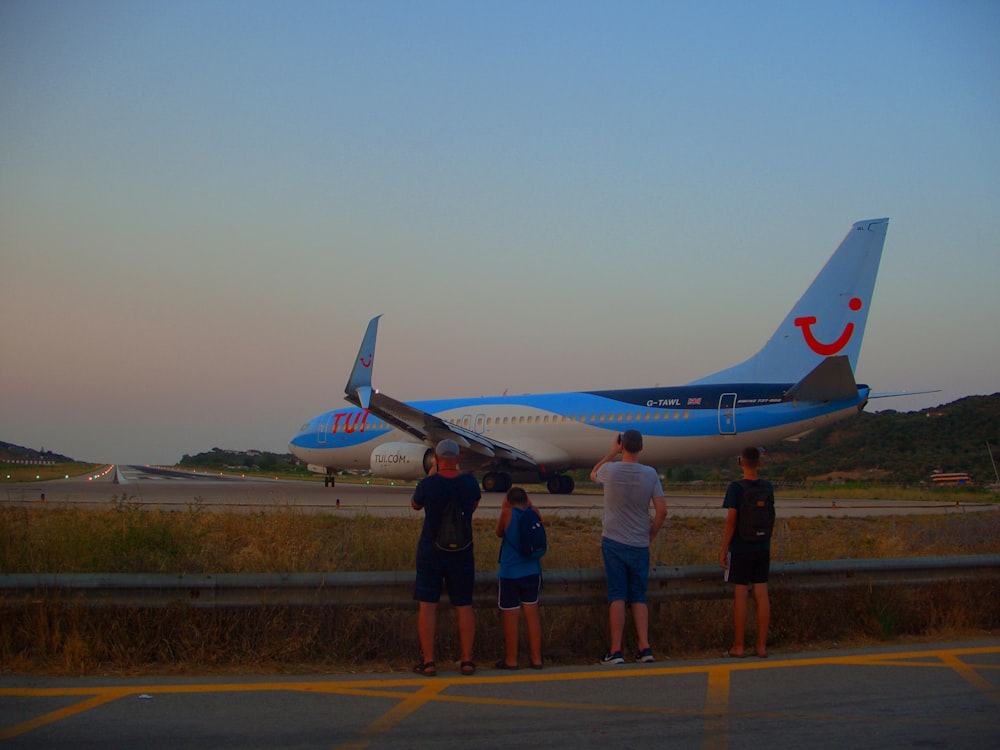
[(939, 478)]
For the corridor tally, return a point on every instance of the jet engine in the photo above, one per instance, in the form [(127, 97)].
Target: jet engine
[(402, 460)]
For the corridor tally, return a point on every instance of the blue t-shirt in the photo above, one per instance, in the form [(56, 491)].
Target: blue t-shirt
[(512, 563)]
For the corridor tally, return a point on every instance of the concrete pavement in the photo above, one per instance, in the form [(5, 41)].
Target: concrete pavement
[(945, 695)]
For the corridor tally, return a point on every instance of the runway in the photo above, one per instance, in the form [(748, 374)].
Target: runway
[(932, 695), (168, 489)]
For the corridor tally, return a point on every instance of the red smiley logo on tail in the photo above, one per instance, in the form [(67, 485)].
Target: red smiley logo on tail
[(827, 350), (371, 357)]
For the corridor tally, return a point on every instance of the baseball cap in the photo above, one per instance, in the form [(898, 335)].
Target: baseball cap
[(447, 449)]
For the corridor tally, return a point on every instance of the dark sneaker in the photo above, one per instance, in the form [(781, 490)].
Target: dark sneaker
[(615, 658), (645, 656)]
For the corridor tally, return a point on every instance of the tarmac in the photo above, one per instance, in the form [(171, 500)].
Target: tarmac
[(927, 696), (173, 490)]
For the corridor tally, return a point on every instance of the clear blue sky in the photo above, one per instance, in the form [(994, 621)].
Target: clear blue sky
[(203, 203)]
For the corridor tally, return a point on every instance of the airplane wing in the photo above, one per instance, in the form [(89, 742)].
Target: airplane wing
[(420, 424)]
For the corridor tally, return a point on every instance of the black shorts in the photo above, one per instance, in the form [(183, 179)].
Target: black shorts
[(457, 570), (744, 568)]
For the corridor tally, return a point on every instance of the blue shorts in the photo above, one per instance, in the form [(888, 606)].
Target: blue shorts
[(517, 591), (626, 570), (457, 570), (744, 568)]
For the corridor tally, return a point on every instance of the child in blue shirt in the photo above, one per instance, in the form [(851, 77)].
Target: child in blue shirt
[(520, 581)]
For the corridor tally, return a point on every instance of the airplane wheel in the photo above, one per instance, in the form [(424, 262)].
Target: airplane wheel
[(553, 484), (566, 484), (504, 482), (491, 482)]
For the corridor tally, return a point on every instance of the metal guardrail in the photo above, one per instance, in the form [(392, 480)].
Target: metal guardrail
[(378, 590)]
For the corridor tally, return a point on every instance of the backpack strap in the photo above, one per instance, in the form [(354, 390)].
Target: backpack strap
[(504, 540)]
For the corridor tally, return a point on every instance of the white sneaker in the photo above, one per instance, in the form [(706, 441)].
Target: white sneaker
[(615, 658)]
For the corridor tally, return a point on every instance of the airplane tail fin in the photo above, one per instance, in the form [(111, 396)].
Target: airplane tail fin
[(359, 386), (828, 320)]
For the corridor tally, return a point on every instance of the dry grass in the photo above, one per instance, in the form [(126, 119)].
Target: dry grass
[(66, 639)]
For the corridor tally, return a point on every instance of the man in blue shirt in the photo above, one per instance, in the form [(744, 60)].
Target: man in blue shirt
[(456, 569)]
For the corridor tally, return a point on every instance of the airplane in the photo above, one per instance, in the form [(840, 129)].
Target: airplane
[(802, 378)]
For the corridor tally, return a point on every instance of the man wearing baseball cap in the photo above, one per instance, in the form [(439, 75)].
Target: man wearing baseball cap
[(456, 569)]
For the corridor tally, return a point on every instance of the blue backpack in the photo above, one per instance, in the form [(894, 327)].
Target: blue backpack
[(533, 542)]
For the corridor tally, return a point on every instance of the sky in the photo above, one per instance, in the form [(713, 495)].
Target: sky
[(203, 203)]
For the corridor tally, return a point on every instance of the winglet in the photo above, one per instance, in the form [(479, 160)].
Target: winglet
[(359, 385)]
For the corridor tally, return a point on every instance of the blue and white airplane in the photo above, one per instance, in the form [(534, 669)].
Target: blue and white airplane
[(801, 379)]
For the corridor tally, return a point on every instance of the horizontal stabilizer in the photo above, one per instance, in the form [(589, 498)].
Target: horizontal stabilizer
[(897, 394), (831, 380)]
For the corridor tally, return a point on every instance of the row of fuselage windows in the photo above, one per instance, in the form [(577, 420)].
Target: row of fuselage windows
[(468, 421)]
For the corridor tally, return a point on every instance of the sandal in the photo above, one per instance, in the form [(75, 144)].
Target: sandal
[(468, 668), (502, 664), (426, 668)]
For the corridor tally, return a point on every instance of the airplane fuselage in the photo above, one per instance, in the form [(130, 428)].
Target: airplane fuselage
[(574, 430)]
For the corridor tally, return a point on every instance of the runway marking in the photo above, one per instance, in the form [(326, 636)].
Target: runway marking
[(409, 694)]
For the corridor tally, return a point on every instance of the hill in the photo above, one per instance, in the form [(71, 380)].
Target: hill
[(17, 454), (890, 446)]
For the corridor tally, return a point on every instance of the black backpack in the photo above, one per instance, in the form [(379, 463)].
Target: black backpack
[(756, 512), (455, 532), (533, 541)]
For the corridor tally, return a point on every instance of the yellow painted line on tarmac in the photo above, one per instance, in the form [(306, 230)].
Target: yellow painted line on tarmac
[(102, 697), (716, 732), (971, 675), (392, 717), (410, 694)]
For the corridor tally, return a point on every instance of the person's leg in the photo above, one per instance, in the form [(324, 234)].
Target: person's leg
[(533, 624), (426, 625), (511, 621), (638, 578), (763, 616), (640, 614), (742, 594), (616, 619), (466, 630), (616, 577)]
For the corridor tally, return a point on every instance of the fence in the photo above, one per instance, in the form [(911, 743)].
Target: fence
[(380, 590)]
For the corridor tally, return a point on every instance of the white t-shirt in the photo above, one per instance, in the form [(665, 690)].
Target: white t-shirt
[(629, 489)]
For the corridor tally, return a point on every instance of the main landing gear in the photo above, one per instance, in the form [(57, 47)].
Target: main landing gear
[(496, 481), (329, 480), (500, 481), (560, 484)]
